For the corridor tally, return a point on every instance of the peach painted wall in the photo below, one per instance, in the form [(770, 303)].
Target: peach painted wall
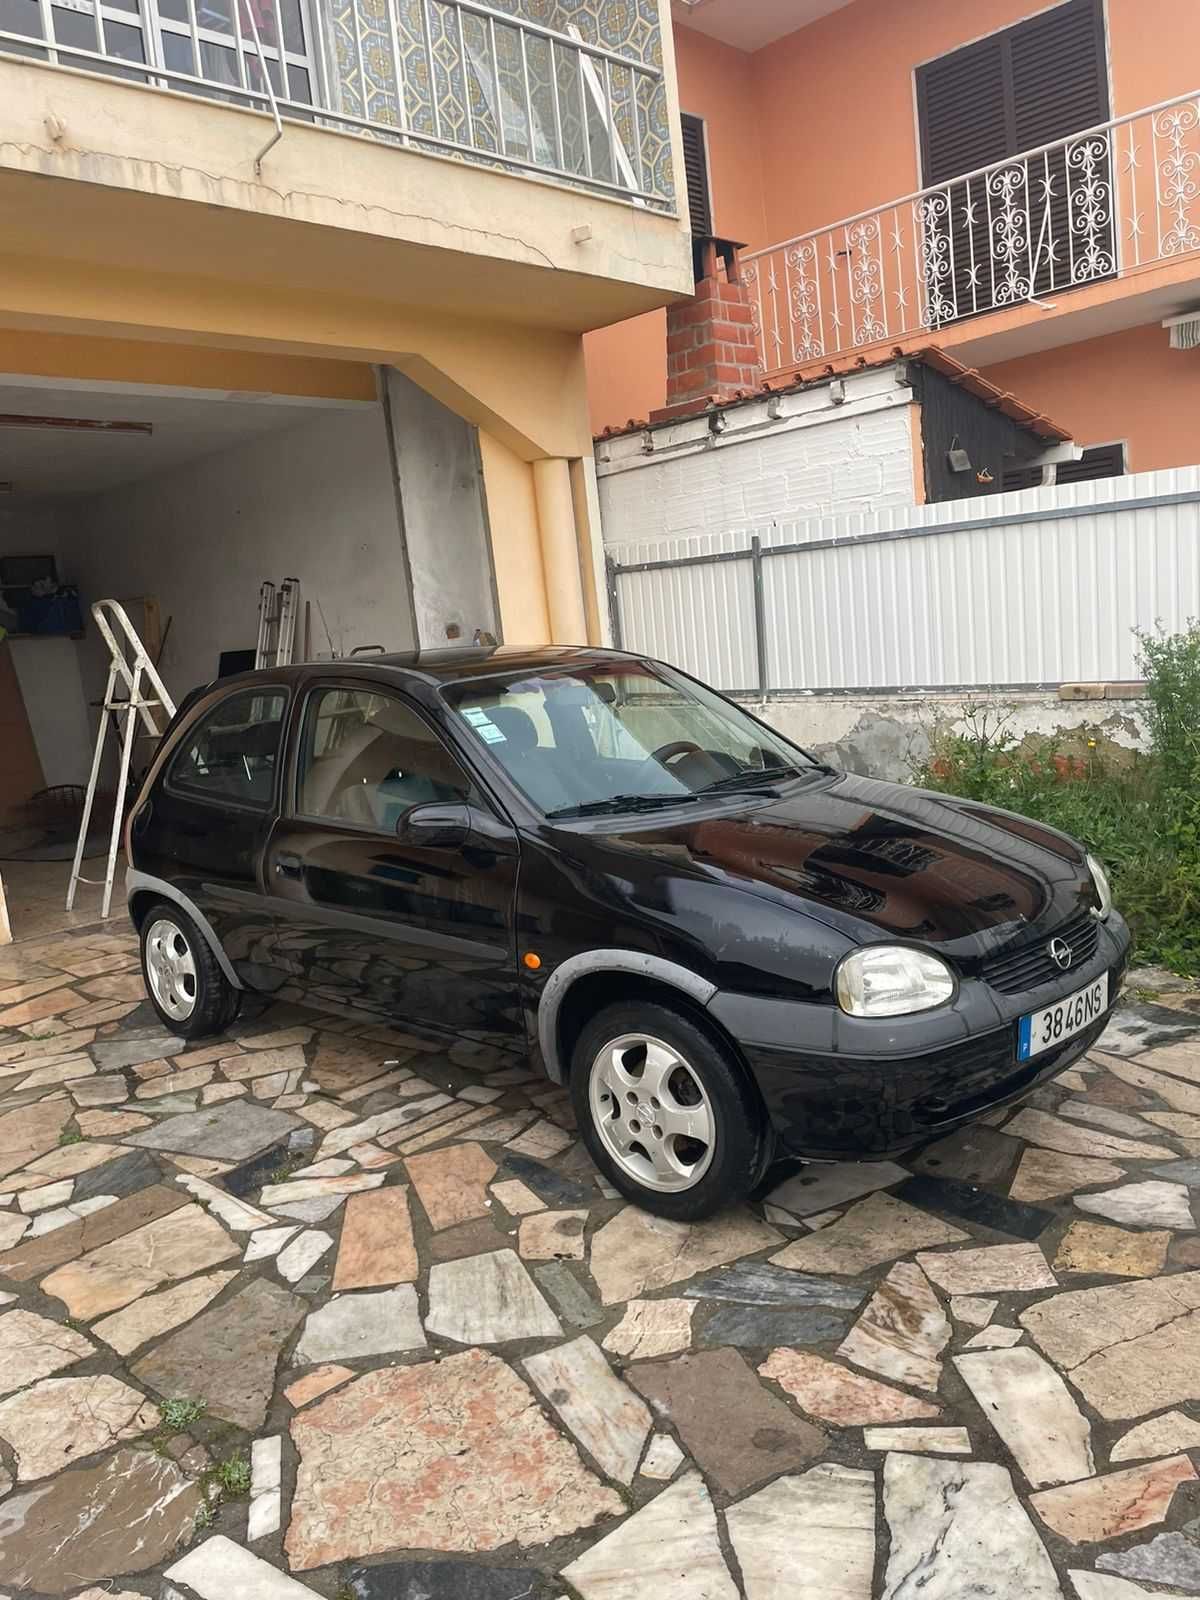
[(822, 124), (837, 103), (627, 364), (1127, 386)]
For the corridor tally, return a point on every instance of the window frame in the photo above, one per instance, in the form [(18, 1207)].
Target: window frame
[(293, 813), (181, 791)]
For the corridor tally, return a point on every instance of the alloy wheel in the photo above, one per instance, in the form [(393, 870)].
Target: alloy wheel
[(171, 969), (652, 1113)]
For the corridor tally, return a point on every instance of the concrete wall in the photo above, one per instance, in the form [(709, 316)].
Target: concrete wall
[(315, 502), (817, 458), (444, 517), (886, 736)]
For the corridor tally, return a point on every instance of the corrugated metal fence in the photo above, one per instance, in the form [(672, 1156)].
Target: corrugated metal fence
[(1042, 587)]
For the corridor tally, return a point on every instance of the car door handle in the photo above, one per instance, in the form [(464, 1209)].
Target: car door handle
[(289, 866)]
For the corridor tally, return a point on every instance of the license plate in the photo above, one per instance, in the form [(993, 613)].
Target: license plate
[(1042, 1030)]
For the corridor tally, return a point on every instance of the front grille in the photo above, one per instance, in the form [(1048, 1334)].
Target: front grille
[(1032, 965)]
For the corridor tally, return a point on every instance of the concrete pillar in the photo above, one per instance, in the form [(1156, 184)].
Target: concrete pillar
[(560, 551)]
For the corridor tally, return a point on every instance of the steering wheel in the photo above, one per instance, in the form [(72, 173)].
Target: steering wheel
[(678, 747)]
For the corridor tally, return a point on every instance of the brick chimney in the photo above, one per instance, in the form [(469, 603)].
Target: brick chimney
[(711, 348)]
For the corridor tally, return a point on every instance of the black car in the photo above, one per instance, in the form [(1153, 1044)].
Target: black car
[(725, 948)]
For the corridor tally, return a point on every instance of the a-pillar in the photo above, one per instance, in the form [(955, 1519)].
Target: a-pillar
[(560, 551)]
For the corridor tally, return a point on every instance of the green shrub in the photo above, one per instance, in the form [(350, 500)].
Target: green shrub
[(1171, 663), (1139, 814)]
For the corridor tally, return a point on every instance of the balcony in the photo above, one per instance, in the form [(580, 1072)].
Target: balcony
[(1116, 202), (584, 103)]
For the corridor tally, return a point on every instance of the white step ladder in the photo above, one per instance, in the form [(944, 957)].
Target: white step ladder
[(129, 665)]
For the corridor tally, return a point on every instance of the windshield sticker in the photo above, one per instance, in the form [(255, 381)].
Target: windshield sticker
[(490, 733), (475, 715)]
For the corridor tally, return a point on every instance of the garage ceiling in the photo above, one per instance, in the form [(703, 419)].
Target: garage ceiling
[(751, 24), (187, 427)]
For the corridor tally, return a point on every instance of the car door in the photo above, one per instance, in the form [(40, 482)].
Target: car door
[(393, 877), (208, 822)]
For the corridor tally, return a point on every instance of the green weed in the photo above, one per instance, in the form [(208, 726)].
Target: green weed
[(178, 1415)]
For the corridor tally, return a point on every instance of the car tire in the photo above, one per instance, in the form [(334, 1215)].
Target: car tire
[(622, 1055), (183, 977)]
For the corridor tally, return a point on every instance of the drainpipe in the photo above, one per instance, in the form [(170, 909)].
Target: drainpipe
[(560, 551)]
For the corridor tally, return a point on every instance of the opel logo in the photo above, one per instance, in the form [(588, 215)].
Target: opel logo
[(1060, 953)]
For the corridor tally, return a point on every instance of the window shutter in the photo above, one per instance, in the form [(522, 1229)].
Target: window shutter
[(963, 113), (695, 165), (1101, 461), (1058, 74), (1033, 84), (1037, 82)]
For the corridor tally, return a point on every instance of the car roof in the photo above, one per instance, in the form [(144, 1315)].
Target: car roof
[(436, 667), (445, 666)]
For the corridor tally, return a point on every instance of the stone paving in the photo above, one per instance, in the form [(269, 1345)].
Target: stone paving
[(323, 1308)]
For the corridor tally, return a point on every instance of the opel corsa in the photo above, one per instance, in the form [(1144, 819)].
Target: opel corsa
[(724, 948)]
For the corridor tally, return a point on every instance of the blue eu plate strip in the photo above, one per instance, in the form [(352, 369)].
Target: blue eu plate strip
[(1024, 1028)]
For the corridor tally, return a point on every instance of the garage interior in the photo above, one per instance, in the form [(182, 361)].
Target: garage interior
[(179, 503)]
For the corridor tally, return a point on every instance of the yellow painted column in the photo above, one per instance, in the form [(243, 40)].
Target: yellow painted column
[(560, 550)]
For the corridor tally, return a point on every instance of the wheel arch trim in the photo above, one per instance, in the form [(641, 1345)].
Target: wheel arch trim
[(634, 962), (144, 883)]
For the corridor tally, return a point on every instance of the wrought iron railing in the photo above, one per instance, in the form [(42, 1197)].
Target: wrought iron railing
[(453, 77), (1110, 201)]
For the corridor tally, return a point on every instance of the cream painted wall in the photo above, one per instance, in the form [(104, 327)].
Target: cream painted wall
[(329, 207), (516, 548)]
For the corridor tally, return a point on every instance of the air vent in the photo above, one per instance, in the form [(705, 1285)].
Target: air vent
[(1184, 331)]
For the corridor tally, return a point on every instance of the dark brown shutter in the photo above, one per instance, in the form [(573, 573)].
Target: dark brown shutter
[(1031, 85), (963, 108), (1101, 461), (1058, 74), (695, 166), (1039, 81)]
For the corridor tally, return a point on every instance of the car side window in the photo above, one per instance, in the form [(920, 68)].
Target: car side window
[(231, 754), (368, 758)]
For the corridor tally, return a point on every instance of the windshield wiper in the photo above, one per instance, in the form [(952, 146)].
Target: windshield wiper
[(751, 778), (621, 803)]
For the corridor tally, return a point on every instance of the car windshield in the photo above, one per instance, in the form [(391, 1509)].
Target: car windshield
[(630, 735)]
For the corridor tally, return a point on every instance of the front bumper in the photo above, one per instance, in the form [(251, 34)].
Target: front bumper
[(839, 1088)]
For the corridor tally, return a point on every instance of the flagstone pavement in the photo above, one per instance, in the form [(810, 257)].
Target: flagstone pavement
[(324, 1308)]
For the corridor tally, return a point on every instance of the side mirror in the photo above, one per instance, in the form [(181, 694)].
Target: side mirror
[(440, 824)]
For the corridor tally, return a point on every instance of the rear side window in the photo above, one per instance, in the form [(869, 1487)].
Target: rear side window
[(231, 754)]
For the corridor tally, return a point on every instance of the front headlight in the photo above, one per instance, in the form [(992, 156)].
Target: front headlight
[(1103, 892), (887, 980)]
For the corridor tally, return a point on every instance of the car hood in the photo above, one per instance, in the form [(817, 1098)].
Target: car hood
[(876, 860)]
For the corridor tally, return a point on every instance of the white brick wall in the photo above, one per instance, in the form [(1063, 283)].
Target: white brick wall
[(812, 458)]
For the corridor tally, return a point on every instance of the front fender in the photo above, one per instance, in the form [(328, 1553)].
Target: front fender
[(588, 962)]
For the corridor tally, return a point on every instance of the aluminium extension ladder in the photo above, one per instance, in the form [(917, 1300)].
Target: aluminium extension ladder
[(277, 624), (129, 664)]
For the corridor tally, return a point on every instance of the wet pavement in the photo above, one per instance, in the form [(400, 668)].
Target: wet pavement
[(322, 1308)]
